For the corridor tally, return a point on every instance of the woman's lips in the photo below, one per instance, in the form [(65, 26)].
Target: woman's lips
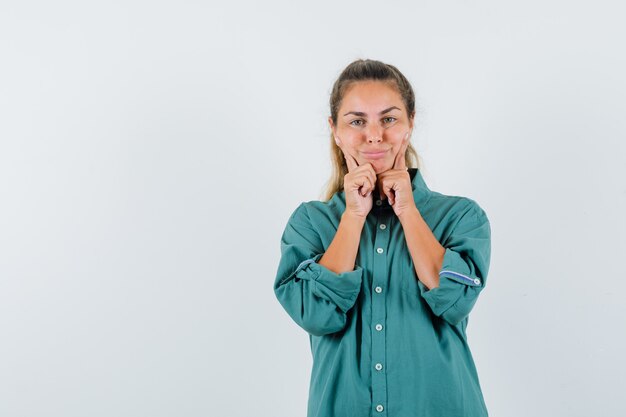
[(374, 155)]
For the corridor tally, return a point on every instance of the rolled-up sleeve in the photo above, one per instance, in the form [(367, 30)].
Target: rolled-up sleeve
[(463, 274), (316, 298)]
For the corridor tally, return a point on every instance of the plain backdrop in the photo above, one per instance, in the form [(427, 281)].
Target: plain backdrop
[(151, 153)]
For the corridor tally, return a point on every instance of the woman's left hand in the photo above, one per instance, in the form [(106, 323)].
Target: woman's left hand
[(395, 183)]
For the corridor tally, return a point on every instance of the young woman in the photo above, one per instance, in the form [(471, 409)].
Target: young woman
[(383, 274)]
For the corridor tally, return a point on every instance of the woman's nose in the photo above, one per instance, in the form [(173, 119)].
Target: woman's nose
[(374, 136)]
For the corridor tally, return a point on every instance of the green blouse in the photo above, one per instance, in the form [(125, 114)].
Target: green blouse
[(382, 343)]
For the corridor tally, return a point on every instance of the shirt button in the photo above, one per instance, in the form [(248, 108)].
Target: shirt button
[(383, 226), (379, 327), (378, 202), (476, 281), (379, 366), (379, 250), (378, 290), (379, 408)]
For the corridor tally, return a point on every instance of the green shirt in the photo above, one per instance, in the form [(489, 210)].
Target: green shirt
[(382, 343)]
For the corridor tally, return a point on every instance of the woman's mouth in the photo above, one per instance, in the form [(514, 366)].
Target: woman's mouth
[(374, 155)]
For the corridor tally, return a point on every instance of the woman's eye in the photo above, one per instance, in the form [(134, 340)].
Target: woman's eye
[(359, 122)]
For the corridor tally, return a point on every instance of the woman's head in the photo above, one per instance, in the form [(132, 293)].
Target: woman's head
[(372, 107)]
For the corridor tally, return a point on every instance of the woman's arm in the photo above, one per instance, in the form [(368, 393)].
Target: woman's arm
[(450, 281), (316, 297), (426, 251), (340, 256)]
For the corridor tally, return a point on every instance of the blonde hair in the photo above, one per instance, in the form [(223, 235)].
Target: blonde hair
[(365, 70)]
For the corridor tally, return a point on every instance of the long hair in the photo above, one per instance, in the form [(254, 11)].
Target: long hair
[(365, 70)]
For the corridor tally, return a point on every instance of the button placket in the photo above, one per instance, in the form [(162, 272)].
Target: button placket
[(380, 273)]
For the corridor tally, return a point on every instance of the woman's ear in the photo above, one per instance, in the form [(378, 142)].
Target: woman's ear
[(412, 122), (332, 129)]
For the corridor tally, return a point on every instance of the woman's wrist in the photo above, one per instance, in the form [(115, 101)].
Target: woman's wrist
[(352, 220)]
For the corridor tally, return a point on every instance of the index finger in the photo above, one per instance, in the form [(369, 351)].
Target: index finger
[(350, 160), (400, 161)]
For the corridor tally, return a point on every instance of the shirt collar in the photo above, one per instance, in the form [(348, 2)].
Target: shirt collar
[(421, 192)]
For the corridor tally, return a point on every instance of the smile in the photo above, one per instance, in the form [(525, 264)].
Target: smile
[(374, 155)]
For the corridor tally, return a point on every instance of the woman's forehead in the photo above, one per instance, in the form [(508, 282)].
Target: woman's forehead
[(371, 97)]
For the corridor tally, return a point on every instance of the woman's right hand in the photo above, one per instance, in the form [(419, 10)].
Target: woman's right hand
[(358, 184)]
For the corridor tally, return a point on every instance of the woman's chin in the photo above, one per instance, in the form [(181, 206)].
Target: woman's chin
[(379, 165)]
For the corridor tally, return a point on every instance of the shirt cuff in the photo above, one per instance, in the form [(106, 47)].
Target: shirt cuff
[(342, 289), (454, 277)]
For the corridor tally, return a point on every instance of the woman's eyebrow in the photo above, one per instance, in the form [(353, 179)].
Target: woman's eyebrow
[(359, 113)]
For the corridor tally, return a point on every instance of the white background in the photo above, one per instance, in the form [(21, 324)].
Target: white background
[(151, 153)]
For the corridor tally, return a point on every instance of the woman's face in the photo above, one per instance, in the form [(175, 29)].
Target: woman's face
[(372, 118)]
